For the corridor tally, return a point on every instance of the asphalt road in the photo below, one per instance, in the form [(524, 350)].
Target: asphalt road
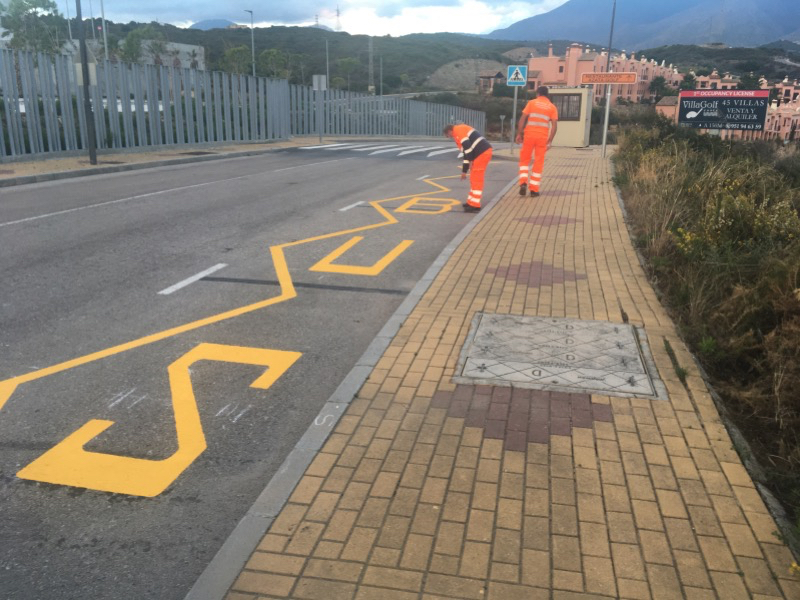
[(167, 335)]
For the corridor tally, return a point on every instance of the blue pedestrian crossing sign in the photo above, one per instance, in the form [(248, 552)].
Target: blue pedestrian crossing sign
[(517, 75)]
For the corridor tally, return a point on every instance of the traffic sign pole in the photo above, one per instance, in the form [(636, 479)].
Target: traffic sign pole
[(513, 131), (605, 122)]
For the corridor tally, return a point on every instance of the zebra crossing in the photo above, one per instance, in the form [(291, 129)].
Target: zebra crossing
[(388, 149)]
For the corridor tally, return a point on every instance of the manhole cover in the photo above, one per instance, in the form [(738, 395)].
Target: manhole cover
[(559, 355)]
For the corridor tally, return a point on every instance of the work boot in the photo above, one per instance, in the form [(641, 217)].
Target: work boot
[(471, 209), (534, 194), (522, 190)]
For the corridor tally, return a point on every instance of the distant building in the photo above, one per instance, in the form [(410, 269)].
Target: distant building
[(555, 71), (488, 79), (715, 81)]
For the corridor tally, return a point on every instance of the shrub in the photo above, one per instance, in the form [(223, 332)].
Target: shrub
[(719, 224)]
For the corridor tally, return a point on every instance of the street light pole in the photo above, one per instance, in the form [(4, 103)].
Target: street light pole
[(252, 41), (608, 85), (105, 38)]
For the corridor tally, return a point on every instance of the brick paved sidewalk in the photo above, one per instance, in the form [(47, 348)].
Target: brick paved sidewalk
[(428, 489)]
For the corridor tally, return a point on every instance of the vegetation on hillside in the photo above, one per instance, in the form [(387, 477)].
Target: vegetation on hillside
[(718, 223), (773, 61)]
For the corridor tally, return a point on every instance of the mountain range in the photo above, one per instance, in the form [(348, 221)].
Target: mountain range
[(646, 24)]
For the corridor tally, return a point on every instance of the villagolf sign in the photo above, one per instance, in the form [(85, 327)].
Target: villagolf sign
[(723, 109)]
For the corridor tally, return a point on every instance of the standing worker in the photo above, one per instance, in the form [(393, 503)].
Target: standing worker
[(478, 152), (539, 123)]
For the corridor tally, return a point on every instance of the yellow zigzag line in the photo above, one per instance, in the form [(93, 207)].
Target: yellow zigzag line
[(8, 386)]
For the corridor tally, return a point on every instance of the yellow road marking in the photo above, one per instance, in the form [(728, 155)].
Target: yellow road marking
[(67, 463), (326, 264)]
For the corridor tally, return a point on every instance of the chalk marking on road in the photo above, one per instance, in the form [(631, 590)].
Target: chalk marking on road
[(120, 397), (242, 413), (423, 149), (224, 410), (351, 206), (322, 420), (135, 402), (423, 177), (191, 280)]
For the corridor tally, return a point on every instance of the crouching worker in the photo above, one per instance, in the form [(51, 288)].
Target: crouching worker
[(477, 154)]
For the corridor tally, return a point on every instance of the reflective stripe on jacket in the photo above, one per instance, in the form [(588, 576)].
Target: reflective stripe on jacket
[(541, 113), (471, 143)]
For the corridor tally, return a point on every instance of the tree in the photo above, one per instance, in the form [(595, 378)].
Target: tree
[(346, 66), (33, 25), (134, 44), (237, 60), (658, 87), (273, 63), (689, 82), (749, 82)]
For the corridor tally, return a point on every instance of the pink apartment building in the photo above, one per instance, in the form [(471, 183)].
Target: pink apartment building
[(566, 70), (783, 115)]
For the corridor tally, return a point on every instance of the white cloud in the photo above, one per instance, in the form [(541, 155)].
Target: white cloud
[(367, 17)]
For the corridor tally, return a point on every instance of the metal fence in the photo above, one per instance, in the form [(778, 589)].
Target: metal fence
[(139, 106)]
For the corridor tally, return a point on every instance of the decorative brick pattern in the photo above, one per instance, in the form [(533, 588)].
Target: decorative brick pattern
[(519, 416)]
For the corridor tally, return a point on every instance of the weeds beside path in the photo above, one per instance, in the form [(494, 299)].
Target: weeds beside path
[(718, 224)]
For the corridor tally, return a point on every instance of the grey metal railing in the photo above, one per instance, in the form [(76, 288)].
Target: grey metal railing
[(140, 106)]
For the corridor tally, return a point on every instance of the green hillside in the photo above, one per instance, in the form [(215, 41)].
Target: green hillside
[(774, 61)]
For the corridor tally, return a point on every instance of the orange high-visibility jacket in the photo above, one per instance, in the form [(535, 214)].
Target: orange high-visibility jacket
[(471, 143), (541, 113)]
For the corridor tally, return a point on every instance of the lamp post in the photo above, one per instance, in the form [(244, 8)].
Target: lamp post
[(252, 41), (608, 85), (105, 38)]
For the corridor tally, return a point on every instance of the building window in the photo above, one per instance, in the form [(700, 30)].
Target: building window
[(568, 105), (560, 69)]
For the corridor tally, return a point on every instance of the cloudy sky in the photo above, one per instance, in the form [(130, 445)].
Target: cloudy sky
[(375, 17)]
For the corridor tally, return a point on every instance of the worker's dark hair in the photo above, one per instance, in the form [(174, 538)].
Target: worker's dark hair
[(447, 129), (542, 91)]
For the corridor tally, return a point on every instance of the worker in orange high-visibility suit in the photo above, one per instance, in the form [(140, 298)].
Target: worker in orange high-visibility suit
[(477, 153), (536, 131)]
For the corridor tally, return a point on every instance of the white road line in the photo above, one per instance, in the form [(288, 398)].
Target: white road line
[(446, 151), (420, 150), (350, 146), (192, 279), (139, 197), (324, 162), (375, 148), (322, 146), (351, 206), (158, 193), (392, 150), (423, 177)]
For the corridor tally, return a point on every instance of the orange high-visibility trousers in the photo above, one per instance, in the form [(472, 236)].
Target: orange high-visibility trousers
[(536, 146), (477, 172)]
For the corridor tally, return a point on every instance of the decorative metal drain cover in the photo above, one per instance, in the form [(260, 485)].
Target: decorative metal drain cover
[(559, 355)]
